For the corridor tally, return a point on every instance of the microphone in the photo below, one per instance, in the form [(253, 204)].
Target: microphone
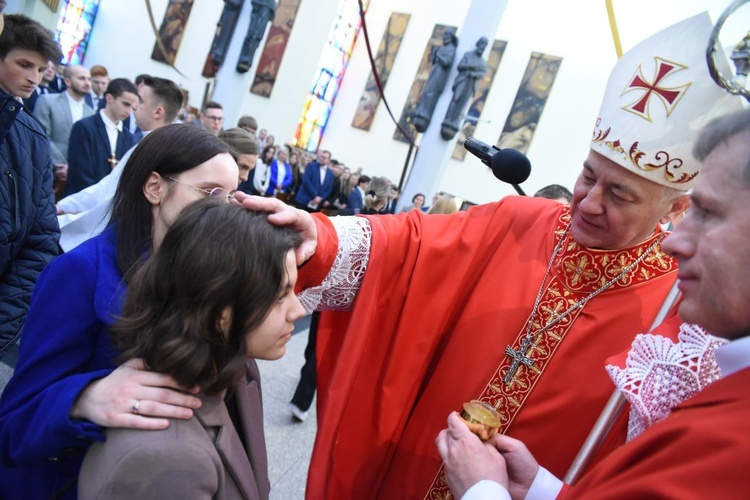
[(508, 165)]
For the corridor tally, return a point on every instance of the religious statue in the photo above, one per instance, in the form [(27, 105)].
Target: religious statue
[(741, 59), (442, 59), (471, 69), (224, 30), (262, 13)]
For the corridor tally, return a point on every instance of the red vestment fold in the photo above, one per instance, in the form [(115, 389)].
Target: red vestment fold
[(442, 298), (699, 451)]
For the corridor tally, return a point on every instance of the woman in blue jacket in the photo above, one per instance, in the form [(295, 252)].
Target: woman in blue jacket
[(66, 389)]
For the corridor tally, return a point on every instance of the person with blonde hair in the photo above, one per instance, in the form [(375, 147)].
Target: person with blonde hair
[(376, 195), (446, 204)]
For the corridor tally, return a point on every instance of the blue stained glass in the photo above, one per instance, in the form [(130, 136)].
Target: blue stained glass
[(74, 28), (324, 79), (331, 68)]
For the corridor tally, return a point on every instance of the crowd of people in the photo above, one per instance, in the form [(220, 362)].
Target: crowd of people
[(149, 280)]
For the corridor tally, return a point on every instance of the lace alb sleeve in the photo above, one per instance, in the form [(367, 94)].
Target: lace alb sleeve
[(660, 374), (339, 288)]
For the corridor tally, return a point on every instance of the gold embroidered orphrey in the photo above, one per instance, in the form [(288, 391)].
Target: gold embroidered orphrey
[(580, 275)]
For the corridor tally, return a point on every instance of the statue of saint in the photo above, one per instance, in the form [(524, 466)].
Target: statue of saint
[(741, 59), (471, 69), (262, 13), (442, 58), (224, 30)]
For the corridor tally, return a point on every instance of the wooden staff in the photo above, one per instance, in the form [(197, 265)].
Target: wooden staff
[(613, 409)]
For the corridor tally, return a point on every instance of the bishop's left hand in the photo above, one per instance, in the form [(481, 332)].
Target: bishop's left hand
[(467, 459)]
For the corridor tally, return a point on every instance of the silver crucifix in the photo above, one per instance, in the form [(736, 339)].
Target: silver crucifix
[(519, 358)]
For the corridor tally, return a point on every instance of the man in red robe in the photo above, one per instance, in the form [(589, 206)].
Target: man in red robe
[(702, 449), (516, 303)]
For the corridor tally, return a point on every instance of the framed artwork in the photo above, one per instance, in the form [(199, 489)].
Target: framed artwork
[(273, 50), (389, 45), (172, 28), (52, 4), (528, 105)]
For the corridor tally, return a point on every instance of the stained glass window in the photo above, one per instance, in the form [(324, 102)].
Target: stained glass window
[(330, 72), (74, 28)]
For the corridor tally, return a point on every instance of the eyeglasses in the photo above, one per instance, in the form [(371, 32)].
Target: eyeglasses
[(214, 118), (216, 192)]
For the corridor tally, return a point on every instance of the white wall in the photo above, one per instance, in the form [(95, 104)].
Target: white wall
[(122, 40), (578, 31)]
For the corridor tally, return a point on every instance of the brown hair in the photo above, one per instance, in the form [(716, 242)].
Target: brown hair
[(98, 70), (21, 32), (215, 256), (167, 93), (240, 140), (168, 151)]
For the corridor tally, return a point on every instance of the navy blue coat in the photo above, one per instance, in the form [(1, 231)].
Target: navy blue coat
[(311, 186), (65, 347), (28, 226), (88, 152), (355, 200)]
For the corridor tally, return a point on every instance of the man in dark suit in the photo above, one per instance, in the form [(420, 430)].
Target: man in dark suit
[(356, 199), (317, 183), (58, 112), (99, 141), (390, 204), (57, 84)]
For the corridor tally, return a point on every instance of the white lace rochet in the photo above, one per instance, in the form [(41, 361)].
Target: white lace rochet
[(339, 288), (660, 374)]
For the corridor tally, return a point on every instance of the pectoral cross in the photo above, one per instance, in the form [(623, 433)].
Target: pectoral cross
[(519, 358), (112, 160)]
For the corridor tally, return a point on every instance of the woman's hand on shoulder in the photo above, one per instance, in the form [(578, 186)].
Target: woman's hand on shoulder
[(135, 398)]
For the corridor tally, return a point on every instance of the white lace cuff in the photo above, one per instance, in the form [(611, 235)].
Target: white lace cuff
[(660, 374), (339, 288)]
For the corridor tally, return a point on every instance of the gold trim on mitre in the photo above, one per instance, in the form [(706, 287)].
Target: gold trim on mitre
[(649, 119)]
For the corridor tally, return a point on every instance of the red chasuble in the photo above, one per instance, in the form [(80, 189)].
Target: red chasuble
[(441, 300), (700, 451)]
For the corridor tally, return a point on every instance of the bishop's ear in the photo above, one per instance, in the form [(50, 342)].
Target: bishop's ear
[(678, 207)]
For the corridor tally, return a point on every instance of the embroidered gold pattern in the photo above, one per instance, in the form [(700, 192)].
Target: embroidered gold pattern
[(583, 271)]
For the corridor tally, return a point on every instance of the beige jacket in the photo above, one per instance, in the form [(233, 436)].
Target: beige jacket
[(192, 459)]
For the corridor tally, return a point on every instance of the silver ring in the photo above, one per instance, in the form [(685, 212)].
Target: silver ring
[(135, 406)]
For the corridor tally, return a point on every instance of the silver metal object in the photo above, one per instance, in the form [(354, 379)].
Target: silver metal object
[(732, 85)]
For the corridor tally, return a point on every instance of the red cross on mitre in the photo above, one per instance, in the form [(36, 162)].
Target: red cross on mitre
[(669, 96)]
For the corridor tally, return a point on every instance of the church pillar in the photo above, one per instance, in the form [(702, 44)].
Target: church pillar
[(482, 19)]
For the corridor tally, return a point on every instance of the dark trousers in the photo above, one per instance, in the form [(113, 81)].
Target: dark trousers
[(305, 392)]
